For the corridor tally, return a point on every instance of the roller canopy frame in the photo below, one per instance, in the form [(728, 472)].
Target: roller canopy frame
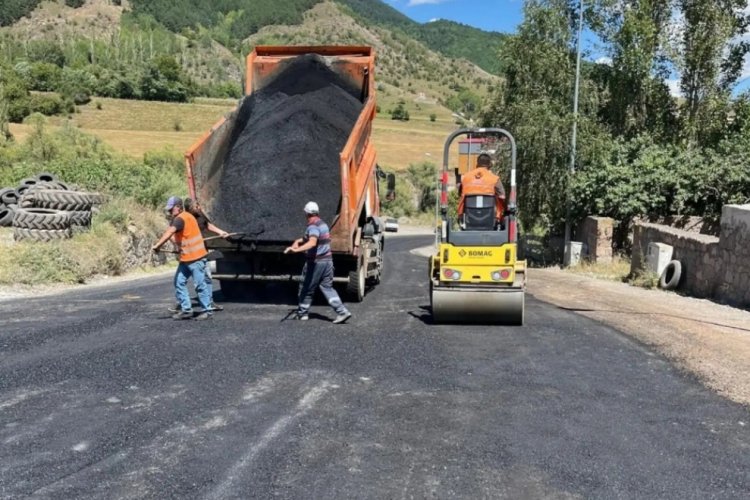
[(499, 132)]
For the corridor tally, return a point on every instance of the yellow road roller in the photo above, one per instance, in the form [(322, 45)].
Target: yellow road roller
[(475, 275)]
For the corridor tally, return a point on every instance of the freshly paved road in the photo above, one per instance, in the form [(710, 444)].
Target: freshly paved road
[(101, 396)]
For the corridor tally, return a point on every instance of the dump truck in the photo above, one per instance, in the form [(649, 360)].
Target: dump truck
[(257, 198), (475, 274)]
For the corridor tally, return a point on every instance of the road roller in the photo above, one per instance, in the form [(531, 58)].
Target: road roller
[(475, 274)]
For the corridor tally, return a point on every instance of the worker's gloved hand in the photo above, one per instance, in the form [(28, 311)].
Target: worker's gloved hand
[(154, 248)]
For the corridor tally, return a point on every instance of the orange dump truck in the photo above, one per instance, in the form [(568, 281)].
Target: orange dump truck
[(356, 229)]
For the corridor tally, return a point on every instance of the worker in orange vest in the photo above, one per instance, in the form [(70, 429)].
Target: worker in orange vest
[(187, 236), (480, 181)]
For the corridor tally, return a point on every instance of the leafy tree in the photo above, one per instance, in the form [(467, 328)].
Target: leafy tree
[(400, 113), (711, 59), (534, 104), (163, 80), (635, 33), (465, 102)]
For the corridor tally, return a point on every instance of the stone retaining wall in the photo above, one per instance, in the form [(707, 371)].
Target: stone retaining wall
[(698, 253), (734, 249), (717, 267)]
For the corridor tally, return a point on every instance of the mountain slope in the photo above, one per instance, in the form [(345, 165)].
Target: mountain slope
[(449, 38), (402, 62)]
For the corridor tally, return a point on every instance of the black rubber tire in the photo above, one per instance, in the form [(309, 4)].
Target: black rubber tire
[(356, 287), (6, 217), (41, 235), (46, 177), (22, 190), (81, 218), (41, 219), (59, 199), (29, 181), (9, 197), (670, 277), (5, 190)]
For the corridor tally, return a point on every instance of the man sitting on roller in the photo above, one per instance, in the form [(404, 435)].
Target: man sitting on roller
[(481, 182)]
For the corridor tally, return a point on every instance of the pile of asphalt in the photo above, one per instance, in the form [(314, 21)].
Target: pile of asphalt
[(285, 152)]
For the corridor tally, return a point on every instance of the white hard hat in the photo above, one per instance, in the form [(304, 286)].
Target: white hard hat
[(312, 208)]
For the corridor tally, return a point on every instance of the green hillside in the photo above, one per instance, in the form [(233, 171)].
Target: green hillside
[(449, 38), (13, 10), (462, 41), (231, 21), (240, 18)]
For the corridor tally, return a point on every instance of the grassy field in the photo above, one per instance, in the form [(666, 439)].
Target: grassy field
[(135, 127)]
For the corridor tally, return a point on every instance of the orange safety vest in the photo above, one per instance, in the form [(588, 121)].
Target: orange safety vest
[(480, 181), (190, 239)]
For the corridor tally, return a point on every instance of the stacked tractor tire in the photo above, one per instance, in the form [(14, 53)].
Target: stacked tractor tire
[(46, 209)]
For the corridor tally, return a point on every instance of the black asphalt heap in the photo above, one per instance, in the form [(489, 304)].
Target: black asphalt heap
[(285, 152)]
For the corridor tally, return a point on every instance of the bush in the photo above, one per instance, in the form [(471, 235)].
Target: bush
[(47, 105), (433, 117), (84, 160), (45, 77)]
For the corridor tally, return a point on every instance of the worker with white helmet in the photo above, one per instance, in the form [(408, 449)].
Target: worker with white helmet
[(318, 269)]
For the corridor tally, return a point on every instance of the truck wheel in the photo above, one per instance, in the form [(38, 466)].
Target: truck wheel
[(355, 288), (381, 265)]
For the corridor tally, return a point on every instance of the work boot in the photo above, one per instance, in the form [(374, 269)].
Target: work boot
[(204, 316), (342, 317), (175, 308), (215, 307), (302, 317), (183, 315)]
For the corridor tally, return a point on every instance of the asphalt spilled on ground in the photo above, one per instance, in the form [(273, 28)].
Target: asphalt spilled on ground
[(103, 396)]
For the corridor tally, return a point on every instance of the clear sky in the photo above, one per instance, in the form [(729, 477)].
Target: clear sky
[(490, 15)]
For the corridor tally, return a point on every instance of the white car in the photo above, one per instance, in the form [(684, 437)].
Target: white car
[(391, 225)]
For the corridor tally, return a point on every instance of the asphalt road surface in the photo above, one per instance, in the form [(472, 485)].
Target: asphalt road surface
[(102, 396)]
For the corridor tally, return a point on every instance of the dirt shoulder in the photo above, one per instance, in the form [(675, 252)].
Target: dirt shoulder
[(9, 292), (709, 340)]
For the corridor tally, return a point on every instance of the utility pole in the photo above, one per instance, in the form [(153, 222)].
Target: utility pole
[(568, 191)]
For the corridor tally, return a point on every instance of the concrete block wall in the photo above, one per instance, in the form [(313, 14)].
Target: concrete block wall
[(596, 235)]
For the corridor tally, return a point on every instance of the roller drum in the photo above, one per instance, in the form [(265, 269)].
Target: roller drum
[(478, 305)]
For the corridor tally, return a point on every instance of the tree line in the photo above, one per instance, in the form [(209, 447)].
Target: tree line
[(641, 149)]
